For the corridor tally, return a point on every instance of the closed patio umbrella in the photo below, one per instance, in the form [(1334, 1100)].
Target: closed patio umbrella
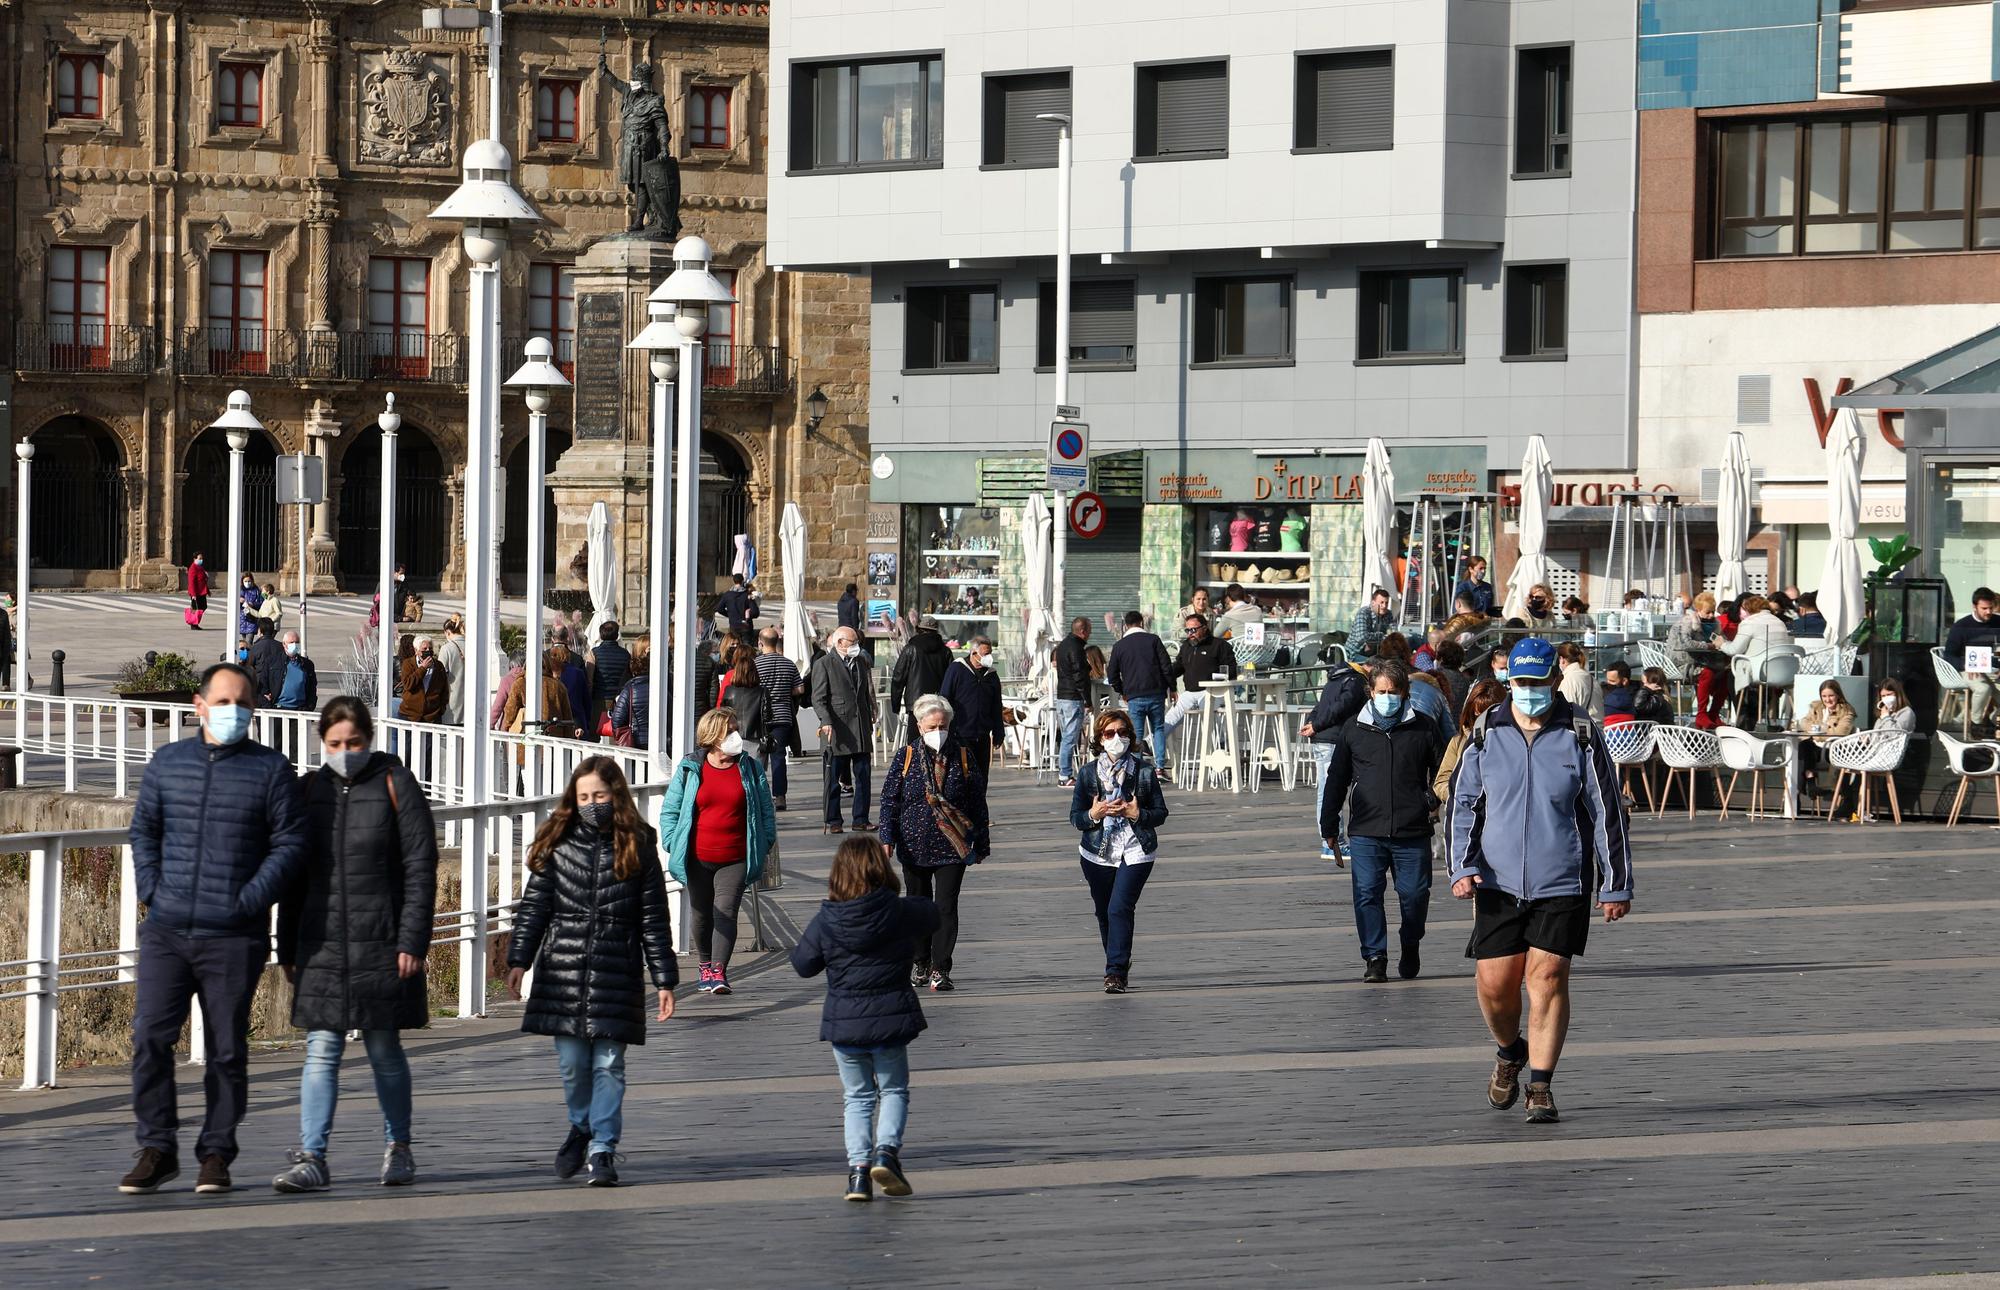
[(796, 623), (603, 570), (1378, 525), (1732, 518), (1538, 481), (1840, 598), (1037, 534)]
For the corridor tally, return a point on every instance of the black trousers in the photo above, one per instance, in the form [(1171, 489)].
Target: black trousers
[(979, 751), (173, 970), (715, 893), (938, 884)]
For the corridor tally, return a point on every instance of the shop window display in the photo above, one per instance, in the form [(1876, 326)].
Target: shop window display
[(956, 569), (1265, 549)]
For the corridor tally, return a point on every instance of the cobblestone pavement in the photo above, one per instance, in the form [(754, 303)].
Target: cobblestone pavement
[(1781, 1071)]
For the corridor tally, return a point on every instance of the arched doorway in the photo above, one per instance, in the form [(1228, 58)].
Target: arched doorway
[(725, 504), (422, 509), (205, 504), (78, 518), (514, 547)]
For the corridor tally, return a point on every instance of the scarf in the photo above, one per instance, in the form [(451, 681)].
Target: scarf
[(952, 823), (1111, 786)]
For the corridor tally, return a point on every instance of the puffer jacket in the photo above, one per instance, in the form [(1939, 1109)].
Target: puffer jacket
[(906, 823), (865, 946), (677, 812), (1390, 766), (752, 710), (364, 895), (217, 833), (597, 935), (919, 670)]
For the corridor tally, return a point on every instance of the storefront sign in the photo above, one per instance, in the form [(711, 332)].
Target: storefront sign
[(1596, 492), (1226, 476), (885, 524), (1823, 416)]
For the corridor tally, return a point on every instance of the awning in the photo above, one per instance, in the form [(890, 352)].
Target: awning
[(1965, 376)]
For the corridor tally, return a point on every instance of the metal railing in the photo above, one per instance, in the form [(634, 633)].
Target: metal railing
[(436, 358), (83, 348), (750, 370)]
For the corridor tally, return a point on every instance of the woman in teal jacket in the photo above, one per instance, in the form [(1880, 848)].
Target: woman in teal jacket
[(717, 824)]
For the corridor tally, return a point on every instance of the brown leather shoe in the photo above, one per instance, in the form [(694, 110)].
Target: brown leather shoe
[(1541, 1105), (1504, 1089), (214, 1177)]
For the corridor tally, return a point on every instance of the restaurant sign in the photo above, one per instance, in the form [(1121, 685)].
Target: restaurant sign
[(1225, 476)]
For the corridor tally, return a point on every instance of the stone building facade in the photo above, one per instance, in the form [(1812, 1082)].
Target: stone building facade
[(206, 196)]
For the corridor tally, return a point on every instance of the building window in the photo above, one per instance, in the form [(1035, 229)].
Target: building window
[(1103, 325), (708, 116), (868, 114), (1011, 135), (555, 110), (239, 94), (399, 311), (1884, 184), (951, 327), (722, 334), (1346, 101), (1243, 320), (1182, 111), (236, 311), (1411, 315), (80, 87), (1537, 311), (1541, 112), (552, 311), (78, 307)]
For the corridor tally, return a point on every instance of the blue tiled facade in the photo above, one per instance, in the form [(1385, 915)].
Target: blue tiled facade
[(1719, 53)]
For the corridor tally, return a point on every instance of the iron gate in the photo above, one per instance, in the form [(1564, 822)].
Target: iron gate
[(205, 504), (77, 518)]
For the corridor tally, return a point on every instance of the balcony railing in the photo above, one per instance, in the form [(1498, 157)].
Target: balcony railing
[(88, 347), (317, 355), (756, 371)]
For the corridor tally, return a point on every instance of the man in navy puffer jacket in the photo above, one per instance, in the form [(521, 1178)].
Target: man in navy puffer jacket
[(217, 834)]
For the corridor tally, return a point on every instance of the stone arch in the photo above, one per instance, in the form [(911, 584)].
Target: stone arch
[(131, 443), (80, 512), (204, 502), (423, 509)]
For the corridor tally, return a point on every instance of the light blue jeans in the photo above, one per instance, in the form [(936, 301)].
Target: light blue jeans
[(870, 1077), (593, 1075), (319, 1086), (1070, 713)]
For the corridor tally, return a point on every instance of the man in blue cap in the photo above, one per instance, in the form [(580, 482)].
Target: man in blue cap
[(1538, 836)]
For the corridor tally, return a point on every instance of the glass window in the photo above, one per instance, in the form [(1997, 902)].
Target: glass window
[(552, 311), (1243, 320), (1541, 112), (1964, 525), (708, 116), (236, 302), (1012, 134), (1537, 310), (885, 113), (951, 327), (1346, 101), (1412, 314), (1103, 324), (80, 87), (555, 110), (399, 301), (239, 98), (1182, 110)]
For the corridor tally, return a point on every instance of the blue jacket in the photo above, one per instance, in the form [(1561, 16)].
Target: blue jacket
[(866, 946), (760, 816), (1479, 593), (974, 696), (907, 824), (1152, 805), (218, 833), (1531, 819)]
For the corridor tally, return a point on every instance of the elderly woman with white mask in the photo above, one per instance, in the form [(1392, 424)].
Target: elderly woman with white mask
[(933, 819)]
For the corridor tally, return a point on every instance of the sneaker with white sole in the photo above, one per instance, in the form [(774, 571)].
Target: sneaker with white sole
[(308, 1173), (399, 1165)]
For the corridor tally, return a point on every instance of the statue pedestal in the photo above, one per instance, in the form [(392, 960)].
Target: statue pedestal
[(610, 457)]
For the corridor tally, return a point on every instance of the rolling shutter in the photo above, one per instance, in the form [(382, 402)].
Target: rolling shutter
[(1190, 108), (1101, 574), (1101, 313), (1015, 102), (1354, 101)]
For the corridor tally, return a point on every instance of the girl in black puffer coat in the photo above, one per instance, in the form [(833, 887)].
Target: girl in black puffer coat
[(595, 911), (864, 938), (353, 930)]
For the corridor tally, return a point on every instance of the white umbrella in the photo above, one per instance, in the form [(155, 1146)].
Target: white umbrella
[(603, 557), (796, 624), (1378, 524), (1840, 599), (1732, 518), (1538, 481), (1037, 536)]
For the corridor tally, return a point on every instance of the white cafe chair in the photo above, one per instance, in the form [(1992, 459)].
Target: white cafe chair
[(1867, 754), (1773, 671), (1686, 750), (1654, 654), (1972, 761), (1630, 746), (1952, 684), (1745, 754)]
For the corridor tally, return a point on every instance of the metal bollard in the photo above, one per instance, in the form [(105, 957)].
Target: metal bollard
[(152, 657), (56, 673)]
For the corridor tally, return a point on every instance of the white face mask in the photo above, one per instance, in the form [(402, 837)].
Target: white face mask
[(731, 745), (1117, 746), (981, 660), (1888, 703), (934, 739)]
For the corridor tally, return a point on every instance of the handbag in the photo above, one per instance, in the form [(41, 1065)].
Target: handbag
[(604, 730), (193, 617)]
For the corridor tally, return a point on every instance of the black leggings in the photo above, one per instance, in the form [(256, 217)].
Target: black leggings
[(714, 892), (939, 884)]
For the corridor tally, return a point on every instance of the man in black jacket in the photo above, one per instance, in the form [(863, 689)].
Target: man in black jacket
[(972, 688), (1072, 695), (1344, 694), (1389, 755), (1139, 672), (1981, 627), (738, 605), (217, 835), (919, 671), (266, 662), (1202, 658)]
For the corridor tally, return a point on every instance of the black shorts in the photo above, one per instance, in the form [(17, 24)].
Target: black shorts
[(1504, 927)]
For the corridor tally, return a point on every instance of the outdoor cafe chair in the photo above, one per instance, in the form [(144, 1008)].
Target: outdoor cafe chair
[(1773, 671), (1952, 684), (1972, 761), (1630, 745), (1744, 753), (1829, 660), (1686, 751), (1653, 654), (1867, 754)]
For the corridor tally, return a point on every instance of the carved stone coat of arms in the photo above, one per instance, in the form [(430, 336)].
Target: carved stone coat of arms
[(405, 110)]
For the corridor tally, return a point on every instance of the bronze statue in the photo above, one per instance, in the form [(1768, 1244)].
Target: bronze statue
[(646, 165)]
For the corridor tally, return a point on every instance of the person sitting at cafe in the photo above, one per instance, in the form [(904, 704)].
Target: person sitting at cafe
[(1694, 632), (1651, 700), (1759, 635), (1828, 717), (1810, 622), (1617, 694), (1541, 607), (1576, 612)]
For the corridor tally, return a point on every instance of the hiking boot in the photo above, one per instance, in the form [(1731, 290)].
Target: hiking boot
[(1504, 1089), (721, 985), (214, 1177), (1114, 983), (399, 1165), (603, 1171), (941, 983), (1410, 963), (888, 1172), (153, 1170), (1541, 1105), (920, 974), (1377, 970), (569, 1157), (707, 985), (308, 1173), (860, 1184)]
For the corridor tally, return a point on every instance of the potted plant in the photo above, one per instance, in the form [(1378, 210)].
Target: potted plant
[(157, 678)]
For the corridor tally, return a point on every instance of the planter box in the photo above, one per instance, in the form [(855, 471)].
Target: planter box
[(157, 696)]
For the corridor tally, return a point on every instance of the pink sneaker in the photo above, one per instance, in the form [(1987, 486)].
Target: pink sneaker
[(710, 973)]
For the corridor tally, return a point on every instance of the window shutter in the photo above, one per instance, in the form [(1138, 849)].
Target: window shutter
[(1024, 140), (1101, 313), (1355, 102), (1191, 108)]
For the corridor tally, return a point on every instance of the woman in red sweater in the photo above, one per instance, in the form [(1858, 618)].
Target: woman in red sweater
[(717, 823)]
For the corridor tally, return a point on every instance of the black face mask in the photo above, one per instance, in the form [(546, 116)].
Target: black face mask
[(1538, 604)]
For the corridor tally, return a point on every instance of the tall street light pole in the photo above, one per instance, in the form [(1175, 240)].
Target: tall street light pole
[(236, 422), (24, 452), (389, 421), (535, 378), (1060, 560), (661, 341)]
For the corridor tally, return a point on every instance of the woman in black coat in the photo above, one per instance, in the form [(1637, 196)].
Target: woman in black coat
[(353, 931), (595, 912), (932, 816)]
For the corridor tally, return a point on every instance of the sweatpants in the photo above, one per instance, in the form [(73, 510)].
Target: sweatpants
[(714, 893)]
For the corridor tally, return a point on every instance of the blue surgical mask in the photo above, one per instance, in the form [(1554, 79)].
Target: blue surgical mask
[(1533, 700), (1387, 706), (228, 723)]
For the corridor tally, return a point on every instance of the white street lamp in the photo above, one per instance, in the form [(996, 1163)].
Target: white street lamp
[(535, 379), (237, 422), (390, 421), (691, 289), (25, 451), (660, 339), (1060, 555)]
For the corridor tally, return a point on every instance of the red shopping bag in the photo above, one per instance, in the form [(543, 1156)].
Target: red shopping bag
[(193, 617)]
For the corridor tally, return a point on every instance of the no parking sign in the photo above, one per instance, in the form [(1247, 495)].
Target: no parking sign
[(1069, 455)]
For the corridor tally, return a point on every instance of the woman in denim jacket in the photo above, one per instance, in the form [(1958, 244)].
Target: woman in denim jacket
[(1118, 807)]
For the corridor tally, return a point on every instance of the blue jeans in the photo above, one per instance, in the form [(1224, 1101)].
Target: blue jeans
[(1070, 713), (1373, 860), (593, 1075), (872, 1077), (1149, 712), (319, 1087), (1115, 892)]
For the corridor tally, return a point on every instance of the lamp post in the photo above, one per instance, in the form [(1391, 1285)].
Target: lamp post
[(691, 289), (1058, 564), (816, 403), (535, 378), (25, 453), (237, 422), (660, 339), (390, 421)]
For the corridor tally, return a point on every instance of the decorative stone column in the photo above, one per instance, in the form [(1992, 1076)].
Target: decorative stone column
[(322, 208), (322, 553)]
